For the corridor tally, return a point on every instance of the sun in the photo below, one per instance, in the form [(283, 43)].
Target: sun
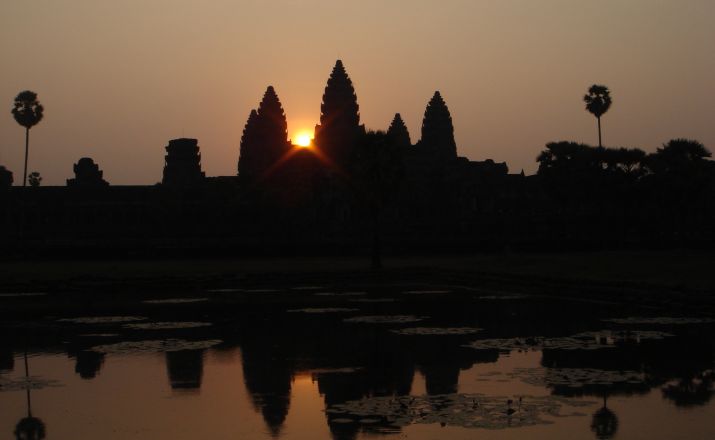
[(303, 139)]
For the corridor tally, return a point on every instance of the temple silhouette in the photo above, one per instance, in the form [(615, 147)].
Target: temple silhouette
[(353, 184)]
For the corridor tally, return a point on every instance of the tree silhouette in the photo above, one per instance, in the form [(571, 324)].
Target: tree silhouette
[(34, 178), (28, 113), (604, 422), (437, 129), (679, 157), (598, 101), (691, 390), (29, 428), (87, 174), (378, 169), (398, 132), (5, 177), (339, 127)]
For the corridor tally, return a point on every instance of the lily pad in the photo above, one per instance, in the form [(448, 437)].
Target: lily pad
[(323, 310), (175, 301), (662, 320), (463, 410), (21, 294), (27, 383), (373, 300), (575, 377), (103, 319), (340, 293), (154, 346), (166, 325), (425, 292), (437, 331), (581, 341), (384, 319)]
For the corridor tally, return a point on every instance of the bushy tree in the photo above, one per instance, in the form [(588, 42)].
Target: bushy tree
[(5, 177), (34, 178)]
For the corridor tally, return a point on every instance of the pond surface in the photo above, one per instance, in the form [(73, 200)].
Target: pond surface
[(310, 362)]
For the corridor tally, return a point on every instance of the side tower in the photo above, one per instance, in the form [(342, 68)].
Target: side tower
[(398, 132), (265, 139), (437, 130), (339, 129), (182, 165)]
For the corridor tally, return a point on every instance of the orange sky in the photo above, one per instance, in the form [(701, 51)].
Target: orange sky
[(118, 79)]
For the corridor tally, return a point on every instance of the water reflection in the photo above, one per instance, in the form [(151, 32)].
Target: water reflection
[(29, 428), (604, 422), (185, 369), (366, 373)]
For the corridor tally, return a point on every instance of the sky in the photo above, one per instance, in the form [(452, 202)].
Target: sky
[(119, 79)]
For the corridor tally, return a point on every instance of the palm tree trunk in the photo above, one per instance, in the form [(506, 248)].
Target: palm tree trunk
[(27, 149), (599, 132), (27, 376)]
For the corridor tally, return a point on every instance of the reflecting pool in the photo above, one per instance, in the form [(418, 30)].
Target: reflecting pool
[(351, 361)]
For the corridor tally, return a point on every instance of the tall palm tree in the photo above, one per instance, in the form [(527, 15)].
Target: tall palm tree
[(27, 112), (598, 101)]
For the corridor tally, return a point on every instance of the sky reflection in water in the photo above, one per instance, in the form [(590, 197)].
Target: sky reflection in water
[(267, 372)]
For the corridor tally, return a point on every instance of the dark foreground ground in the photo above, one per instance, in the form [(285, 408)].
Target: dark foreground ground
[(682, 281)]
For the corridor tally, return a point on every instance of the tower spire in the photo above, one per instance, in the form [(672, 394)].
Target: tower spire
[(339, 125), (437, 129)]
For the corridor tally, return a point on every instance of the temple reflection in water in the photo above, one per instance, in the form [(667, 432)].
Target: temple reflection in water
[(359, 361)]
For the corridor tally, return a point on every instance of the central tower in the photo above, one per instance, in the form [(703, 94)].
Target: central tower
[(337, 135)]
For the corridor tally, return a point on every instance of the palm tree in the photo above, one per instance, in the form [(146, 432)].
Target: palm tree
[(598, 101), (27, 112)]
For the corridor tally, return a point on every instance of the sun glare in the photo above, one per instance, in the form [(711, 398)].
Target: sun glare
[(303, 139)]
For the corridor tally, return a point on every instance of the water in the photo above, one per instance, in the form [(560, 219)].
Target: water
[(296, 362)]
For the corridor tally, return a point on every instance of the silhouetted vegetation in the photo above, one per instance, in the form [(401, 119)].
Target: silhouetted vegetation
[(598, 101), (5, 177), (28, 112), (604, 423), (34, 179), (87, 174)]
